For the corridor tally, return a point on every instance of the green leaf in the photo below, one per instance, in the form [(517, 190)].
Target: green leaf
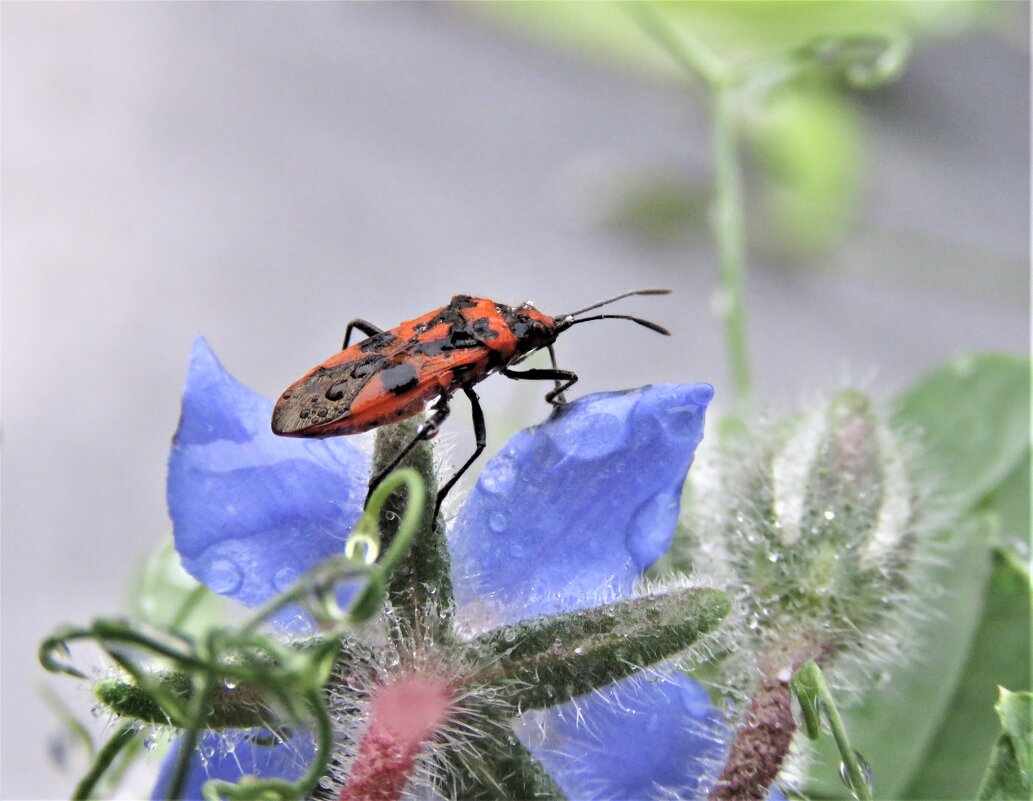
[(1008, 776), (546, 661), (972, 418), (239, 708), (1000, 654), (498, 768)]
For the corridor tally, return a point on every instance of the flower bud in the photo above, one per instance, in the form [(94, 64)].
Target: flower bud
[(841, 500), (812, 522)]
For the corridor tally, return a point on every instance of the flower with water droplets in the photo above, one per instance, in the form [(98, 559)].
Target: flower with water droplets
[(546, 557)]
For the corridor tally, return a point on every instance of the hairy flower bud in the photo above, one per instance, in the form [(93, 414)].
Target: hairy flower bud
[(813, 524)]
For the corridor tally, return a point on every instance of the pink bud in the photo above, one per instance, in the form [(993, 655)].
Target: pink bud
[(403, 715)]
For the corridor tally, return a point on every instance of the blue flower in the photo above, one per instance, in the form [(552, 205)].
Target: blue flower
[(567, 514)]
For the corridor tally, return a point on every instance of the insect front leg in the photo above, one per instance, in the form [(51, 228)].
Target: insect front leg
[(427, 430), (364, 326), (480, 435), (564, 379)]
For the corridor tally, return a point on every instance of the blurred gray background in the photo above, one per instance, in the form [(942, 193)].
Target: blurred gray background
[(263, 173)]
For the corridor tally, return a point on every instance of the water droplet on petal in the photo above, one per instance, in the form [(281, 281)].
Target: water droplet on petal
[(694, 700), (546, 456), (150, 743), (651, 528), (97, 710), (589, 435), (284, 578), (683, 421), (498, 476), (224, 577), (497, 522)]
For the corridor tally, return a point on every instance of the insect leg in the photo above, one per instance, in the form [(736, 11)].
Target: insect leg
[(427, 430), (552, 360), (479, 434), (365, 327), (564, 379)]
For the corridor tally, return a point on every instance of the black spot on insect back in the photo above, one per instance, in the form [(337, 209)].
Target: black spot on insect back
[(378, 342), (337, 391), (481, 328), (399, 378)]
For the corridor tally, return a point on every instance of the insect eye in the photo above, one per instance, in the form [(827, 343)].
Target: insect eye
[(336, 392)]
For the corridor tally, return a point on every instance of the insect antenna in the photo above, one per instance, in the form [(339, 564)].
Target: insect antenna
[(567, 320), (619, 297), (650, 325)]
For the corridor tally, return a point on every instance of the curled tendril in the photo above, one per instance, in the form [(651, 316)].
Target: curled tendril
[(289, 676), (865, 61)]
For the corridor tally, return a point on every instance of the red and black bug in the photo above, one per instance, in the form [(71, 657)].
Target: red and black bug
[(396, 374)]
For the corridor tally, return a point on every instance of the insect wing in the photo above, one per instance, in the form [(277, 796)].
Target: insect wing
[(408, 382), (318, 402)]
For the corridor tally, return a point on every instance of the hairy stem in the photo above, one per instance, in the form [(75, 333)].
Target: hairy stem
[(761, 745), (764, 735)]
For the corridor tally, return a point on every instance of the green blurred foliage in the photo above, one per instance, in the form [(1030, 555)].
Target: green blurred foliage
[(793, 60), (164, 592), (1010, 772), (806, 141), (927, 731), (738, 32), (999, 655)]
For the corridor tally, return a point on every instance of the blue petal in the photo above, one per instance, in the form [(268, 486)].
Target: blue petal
[(642, 738), (252, 511), (233, 755), (580, 505)]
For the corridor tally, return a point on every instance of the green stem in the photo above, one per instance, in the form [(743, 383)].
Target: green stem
[(196, 713), (729, 230), (112, 748), (721, 81), (813, 693)]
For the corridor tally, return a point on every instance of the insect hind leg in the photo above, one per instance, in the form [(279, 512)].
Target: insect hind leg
[(428, 430), (481, 437)]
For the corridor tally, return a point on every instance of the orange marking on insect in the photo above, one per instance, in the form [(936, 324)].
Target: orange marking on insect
[(395, 374)]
